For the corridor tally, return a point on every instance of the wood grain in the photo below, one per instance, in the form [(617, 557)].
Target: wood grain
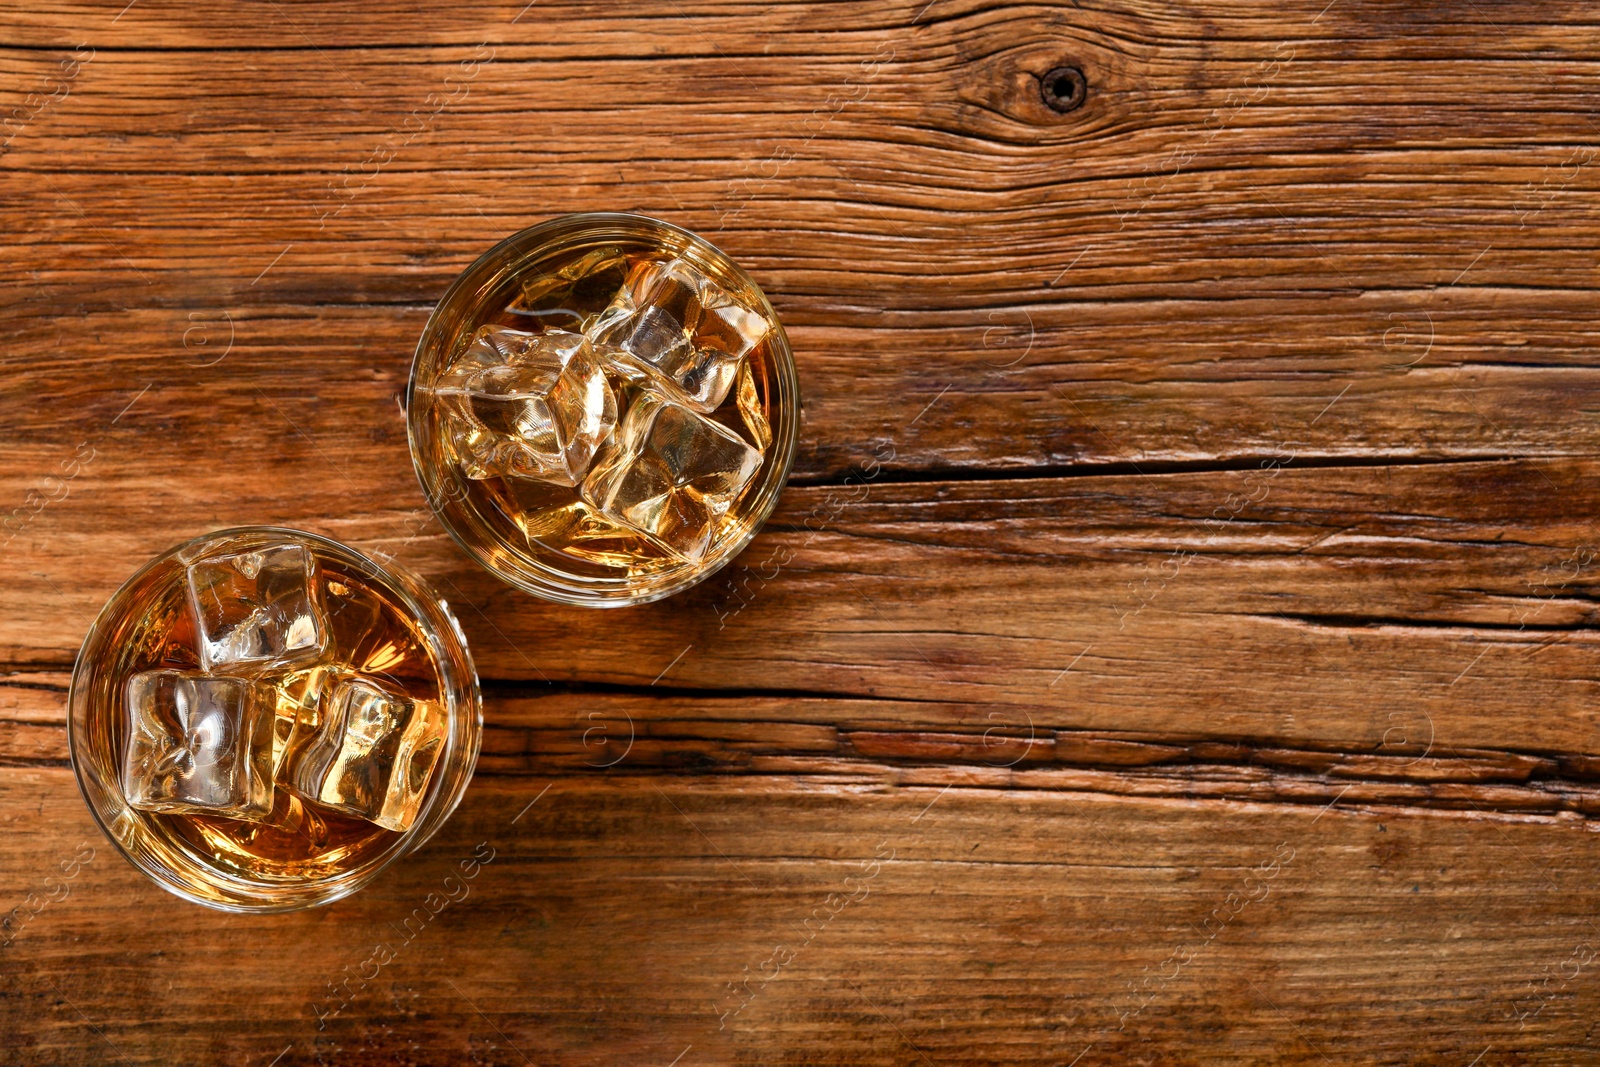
[(994, 927), (1189, 571)]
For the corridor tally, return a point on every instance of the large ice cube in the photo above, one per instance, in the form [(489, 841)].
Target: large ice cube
[(364, 751), (199, 744), (579, 531), (672, 474), (526, 405), (745, 413), (255, 611), (298, 698), (555, 518), (567, 296), (675, 327)]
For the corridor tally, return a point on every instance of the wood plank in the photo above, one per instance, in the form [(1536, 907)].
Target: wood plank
[(1345, 604), (993, 927), (1040, 612), (1437, 282), (574, 734)]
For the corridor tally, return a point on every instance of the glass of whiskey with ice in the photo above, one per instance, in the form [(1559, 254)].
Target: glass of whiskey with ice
[(263, 719), (603, 409)]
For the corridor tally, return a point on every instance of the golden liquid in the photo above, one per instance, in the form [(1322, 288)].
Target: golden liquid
[(371, 631), (554, 517)]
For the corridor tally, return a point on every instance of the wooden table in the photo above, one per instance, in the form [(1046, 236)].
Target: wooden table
[(1174, 643)]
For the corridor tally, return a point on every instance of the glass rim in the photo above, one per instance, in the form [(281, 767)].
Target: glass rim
[(409, 839), (528, 572)]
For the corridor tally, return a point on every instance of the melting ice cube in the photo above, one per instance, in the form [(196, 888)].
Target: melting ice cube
[(675, 327), (255, 611), (199, 744), (549, 515), (526, 405), (364, 751), (672, 474), (569, 295), (746, 415)]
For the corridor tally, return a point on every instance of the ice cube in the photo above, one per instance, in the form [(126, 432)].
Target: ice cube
[(672, 474), (365, 751), (298, 696), (580, 531), (574, 292), (526, 405), (673, 326), (744, 412), (256, 611), (752, 410), (555, 518), (199, 744)]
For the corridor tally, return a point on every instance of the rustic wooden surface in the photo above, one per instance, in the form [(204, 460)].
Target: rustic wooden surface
[(1174, 645)]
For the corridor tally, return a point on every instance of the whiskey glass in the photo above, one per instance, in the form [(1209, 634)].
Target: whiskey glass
[(564, 539), (382, 632)]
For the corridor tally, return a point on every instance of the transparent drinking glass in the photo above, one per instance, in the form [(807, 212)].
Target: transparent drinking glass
[(552, 540), (381, 625)]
